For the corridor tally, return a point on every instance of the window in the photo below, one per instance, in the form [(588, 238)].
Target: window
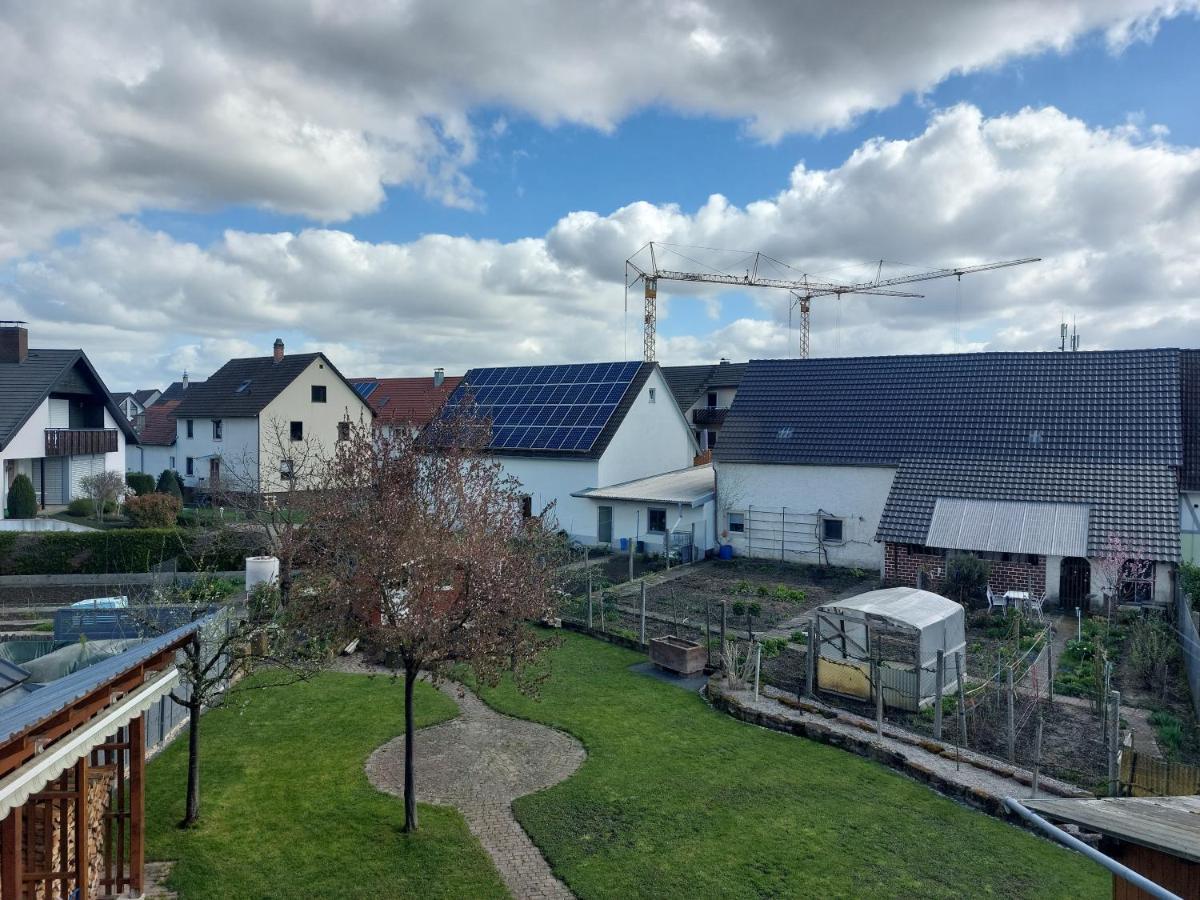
[(712, 439), (1137, 581), (189, 428), (343, 431), (656, 521), (318, 393), (297, 431), (218, 429), (652, 394), (831, 529), (188, 465), (172, 464), (286, 469), (736, 522), (712, 399), (527, 507)]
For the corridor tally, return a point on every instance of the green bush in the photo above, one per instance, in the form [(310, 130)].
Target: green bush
[(153, 510), (967, 579), (124, 550), (1189, 578), (1153, 650), (1168, 731), (22, 501), (169, 483), (81, 507), (140, 483)]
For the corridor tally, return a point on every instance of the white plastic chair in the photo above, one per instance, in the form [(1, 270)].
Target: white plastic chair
[(999, 601), (1036, 601)]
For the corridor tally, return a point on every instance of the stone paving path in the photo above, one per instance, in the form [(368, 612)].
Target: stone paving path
[(480, 762)]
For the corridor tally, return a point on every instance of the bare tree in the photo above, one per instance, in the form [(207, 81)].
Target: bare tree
[(429, 558), (102, 489), (1120, 561)]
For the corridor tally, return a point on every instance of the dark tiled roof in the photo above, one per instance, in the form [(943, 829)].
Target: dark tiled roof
[(120, 396), (687, 383), (174, 390), (1137, 502), (244, 387), (606, 434), (159, 429), (411, 400), (1190, 376), (141, 396), (1101, 406), (23, 386)]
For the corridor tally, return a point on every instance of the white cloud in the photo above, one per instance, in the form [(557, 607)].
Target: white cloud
[(313, 109), (1115, 214)]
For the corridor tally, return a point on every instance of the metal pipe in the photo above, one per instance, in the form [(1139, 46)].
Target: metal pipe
[(1136, 879)]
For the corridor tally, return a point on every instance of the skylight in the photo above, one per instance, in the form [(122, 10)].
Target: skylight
[(243, 387)]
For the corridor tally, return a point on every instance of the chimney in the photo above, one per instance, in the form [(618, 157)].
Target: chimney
[(14, 342), (439, 376), (278, 350), (185, 380), (724, 361)]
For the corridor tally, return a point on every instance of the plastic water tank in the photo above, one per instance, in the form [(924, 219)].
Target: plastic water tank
[(261, 570)]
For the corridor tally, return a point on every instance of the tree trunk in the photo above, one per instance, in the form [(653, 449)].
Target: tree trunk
[(410, 790), (192, 813)]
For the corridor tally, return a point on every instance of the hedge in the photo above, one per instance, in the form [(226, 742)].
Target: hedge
[(125, 550)]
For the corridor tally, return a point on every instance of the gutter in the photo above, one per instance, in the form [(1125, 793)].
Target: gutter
[(1136, 879)]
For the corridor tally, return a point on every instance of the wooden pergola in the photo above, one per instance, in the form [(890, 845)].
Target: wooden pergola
[(72, 758)]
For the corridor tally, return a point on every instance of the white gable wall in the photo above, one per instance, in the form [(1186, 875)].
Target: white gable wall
[(549, 480), (238, 450), (854, 494), (652, 439)]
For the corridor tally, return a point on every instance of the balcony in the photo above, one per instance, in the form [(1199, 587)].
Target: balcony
[(76, 441), (709, 416)]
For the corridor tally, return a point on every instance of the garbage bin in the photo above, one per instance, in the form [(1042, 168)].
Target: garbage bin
[(624, 545), (726, 551)]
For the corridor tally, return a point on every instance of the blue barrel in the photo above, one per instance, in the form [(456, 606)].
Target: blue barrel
[(624, 545), (726, 551)]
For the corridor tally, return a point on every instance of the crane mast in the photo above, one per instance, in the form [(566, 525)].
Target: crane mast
[(802, 289)]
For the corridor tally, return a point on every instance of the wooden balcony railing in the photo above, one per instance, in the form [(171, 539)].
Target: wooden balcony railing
[(76, 441)]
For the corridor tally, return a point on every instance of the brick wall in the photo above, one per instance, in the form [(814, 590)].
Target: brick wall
[(901, 565)]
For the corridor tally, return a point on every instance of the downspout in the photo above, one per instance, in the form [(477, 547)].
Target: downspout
[(1136, 879)]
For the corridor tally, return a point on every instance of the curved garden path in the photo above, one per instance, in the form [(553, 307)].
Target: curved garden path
[(480, 762)]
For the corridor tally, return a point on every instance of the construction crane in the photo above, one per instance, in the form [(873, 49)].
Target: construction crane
[(802, 289)]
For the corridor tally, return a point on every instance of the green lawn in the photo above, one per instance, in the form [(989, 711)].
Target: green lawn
[(677, 800), (287, 810)]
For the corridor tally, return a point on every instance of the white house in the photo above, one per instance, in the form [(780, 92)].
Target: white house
[(250, 426), (135, 403), (155, 450), (704, 394), (1032, 461), (58, 422), (564, 429)]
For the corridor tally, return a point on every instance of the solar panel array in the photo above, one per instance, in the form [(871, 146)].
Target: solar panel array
[(548, 407), (365, 389)]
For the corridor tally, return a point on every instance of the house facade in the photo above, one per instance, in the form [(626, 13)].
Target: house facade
[(155, 450), (1039, 463), (561, 430), (58, 422), (253, 424), (704, 395)]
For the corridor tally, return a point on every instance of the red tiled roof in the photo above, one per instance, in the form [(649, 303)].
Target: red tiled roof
[(412, 400), (160, 424)]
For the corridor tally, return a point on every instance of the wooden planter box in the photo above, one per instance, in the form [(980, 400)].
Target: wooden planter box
[(678, 654)]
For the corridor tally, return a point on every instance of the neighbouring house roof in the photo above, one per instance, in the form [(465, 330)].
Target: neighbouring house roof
[(693, 486), (1190, 376), (143, 395), (245, 387), (159, 430), (1101, 429), (1009, 526), (1167, 824), (689, 383), (568, 411), (122, 396), (24, 385), (175, 390), (413, 401)]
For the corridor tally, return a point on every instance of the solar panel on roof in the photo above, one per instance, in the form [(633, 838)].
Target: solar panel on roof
[(364, 389), (547, 407)]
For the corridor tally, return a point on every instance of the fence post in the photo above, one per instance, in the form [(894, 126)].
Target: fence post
[(1012, 722), (1078, 623), (707, 633), (667, 549), (757, 667), (783, 534), (1037, 754), (1114, 744), (937, 693), (962, 699), (810, 661), (1050, 663), (724, 617), (876, 683), (642, 627), (632, 544), (589, 584)]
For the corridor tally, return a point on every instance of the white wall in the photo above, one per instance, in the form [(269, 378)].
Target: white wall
[(629, 521), (855, 494), (238, 449), (151, 459), (652, 439), (546, 480)]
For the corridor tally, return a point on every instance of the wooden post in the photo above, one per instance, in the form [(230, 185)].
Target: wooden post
[(810, 662), (1050, 664), (589, 586), (1114, 744), (1012, 722), (1037, 754), (11, 876), (937, 694), (1078, 622), (137, 802), (962, 700), (632, 544), (642, 629), (82, 827), (757, 667), (876, 684), (724, 623), (783, 534), (707, 634)]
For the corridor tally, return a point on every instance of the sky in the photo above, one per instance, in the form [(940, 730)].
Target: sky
[(406, 185)]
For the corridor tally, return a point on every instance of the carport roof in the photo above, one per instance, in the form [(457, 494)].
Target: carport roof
[(693, 486), (1009, 526)]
